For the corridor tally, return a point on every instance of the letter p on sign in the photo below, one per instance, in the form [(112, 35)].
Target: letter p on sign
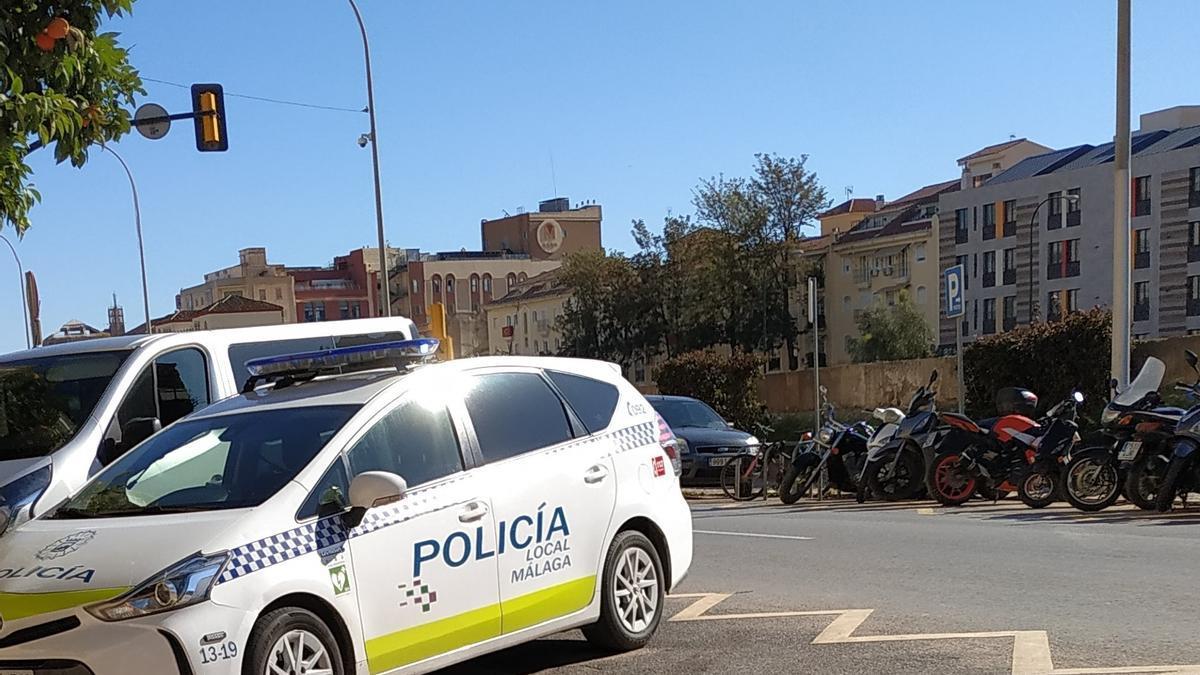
[(954, 291)]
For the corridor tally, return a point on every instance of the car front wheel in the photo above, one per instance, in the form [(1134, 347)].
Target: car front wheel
[(292, 641), (632, 594)]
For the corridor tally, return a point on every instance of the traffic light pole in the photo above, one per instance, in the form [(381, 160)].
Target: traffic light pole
[(1121, 327), (137, 220), (384, 286)]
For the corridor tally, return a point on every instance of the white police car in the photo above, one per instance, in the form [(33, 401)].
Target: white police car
[(370, 522)]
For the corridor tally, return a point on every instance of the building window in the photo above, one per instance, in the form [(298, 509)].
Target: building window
[(1054, 263), (1193, 296), (989, 316), (449, 285), (1194, 241), (1010, 312), (989, 221), (1054, 204), (922, 295), (487, 283), (1054, 305), (1073, 300), (977, 181), (1072, 266), (474, 283), (344, 309), (1141, 301), (416, 287), (920, 253), (960, 226), (1194, 187), (509, 280), (962, 260), (1010, 266), (989, 269), (278, 293), (1141, 249), (435, 285), (314, 311), (1010, 211), (1141, 196), (262, 294), (1073, 211)]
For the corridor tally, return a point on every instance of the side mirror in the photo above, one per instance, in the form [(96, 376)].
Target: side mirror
[(376, 488), (1191, 358), (135, 431), (1113, 384)]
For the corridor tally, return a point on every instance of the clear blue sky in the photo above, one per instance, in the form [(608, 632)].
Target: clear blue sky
[(635, 101)]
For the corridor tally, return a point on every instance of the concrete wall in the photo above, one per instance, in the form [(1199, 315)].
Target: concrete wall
[(1170, 352), (859, 386)]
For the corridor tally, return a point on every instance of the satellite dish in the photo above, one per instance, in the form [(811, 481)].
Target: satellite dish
[(152, 121)]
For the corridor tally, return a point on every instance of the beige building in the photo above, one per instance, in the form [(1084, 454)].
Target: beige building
[(553, 232), (890, 252), (525, 320), (253, 277), (981, 165), (847, 214), (231, 311)]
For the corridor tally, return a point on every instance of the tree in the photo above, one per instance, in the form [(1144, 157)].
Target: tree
[(892, 333), (62, 85), (727, 383)]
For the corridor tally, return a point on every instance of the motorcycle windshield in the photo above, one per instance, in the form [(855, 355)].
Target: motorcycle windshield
[(1147, 380)]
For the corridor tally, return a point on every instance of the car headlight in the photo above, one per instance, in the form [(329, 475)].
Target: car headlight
[(682, 444), (1109, 416), (22, 493), (183, 584), (753, 440)]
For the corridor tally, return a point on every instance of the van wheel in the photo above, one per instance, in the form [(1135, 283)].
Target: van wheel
[(632, 595), (293, 641)]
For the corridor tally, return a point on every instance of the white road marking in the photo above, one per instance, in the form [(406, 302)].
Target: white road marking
[(1030, 655), (753, 534)]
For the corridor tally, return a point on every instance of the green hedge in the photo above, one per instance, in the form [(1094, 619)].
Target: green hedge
[(727, 383), (1050, 359)]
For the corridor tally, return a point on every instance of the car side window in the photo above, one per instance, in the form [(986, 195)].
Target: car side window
[(593, 401), (331, 494), (514, 413), (414, 441), (173, 386)]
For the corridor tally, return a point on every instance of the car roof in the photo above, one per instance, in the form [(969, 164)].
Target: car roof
[(108, 344), (359, 388)]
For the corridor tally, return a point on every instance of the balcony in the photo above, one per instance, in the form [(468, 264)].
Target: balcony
[(1141, 207), (989, 231), (1053, 221), (1010, 276), (960, 235), (1074, 218), (1141, 311), (1193, 307), (1073, 268), (1193, 254), (989, 279), (1010, 228), (1054, 270), (989, 326), (1194, 200), (1010, 322), (1141, 260)]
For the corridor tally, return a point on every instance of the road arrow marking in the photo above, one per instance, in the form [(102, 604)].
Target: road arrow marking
[(1030, 655)]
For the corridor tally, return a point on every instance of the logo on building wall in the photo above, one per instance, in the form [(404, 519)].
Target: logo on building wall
[(550, 236)]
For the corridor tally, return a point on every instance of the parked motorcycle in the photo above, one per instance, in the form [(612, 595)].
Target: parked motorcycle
[(840, 448), (895, 470), (1132, 459), (992, 456), (1183, 471), (1041, 482)]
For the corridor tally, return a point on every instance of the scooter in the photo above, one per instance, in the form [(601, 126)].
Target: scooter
[(895, 470), (1183, 472), (838, 448)]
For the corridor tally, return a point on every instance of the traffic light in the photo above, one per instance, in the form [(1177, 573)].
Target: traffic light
[(437, 326), (208, 106)]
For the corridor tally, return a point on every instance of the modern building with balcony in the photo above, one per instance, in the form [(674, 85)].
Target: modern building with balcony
[(892, 251), (1036, 238)]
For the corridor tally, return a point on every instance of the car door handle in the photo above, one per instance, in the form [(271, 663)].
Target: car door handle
[(473, 512), (595, 474)]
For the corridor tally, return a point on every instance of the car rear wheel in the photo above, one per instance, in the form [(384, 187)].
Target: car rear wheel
[(292, 641), (632, 595)]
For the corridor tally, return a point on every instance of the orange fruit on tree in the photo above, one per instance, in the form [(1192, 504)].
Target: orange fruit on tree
[(45, 42), (57, 28)]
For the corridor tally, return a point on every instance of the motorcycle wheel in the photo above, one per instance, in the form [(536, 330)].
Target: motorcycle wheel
[(950, 482), (902, 483), (796, 479), (1092, 481), (1167, 492), (1143, 480), (1039, 487)]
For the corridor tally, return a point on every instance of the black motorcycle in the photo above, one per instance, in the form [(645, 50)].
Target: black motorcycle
[(1183, 472), (1041, 482), (896, 470), (839, 448)]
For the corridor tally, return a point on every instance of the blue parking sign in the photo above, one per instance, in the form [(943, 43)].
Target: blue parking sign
[(954, 291)]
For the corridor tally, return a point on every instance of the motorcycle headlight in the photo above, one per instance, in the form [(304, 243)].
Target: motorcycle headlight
[(825, 435), (1109, 416), (22, 493), (186, 583), (753, 440)]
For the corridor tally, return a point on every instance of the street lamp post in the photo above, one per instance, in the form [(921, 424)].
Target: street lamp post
[(1033, 224), (21, 286), (137, 220), (386, 292)]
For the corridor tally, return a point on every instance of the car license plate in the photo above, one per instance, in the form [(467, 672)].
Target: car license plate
[(1129, 451), (712, 461)]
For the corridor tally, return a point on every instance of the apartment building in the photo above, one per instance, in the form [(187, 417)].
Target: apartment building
[(253, 277), (892, 251), (553, 232), (1036, 239), (525, 320)]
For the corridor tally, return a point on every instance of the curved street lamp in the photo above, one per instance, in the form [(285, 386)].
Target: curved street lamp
[(373, 138), (21, 286), (1070, 199), (137, 220)]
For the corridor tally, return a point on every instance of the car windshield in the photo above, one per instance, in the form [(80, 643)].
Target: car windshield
[(44, 401), (688, 413), (223, 462)]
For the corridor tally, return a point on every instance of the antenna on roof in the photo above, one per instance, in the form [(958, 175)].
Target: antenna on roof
[(1012, 137), (849, 191), (553, 177)]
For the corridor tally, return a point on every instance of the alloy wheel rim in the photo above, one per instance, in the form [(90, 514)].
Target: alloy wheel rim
[(298, 652), (636, 589), (1038, 486), (1092, 483), (950, 479)]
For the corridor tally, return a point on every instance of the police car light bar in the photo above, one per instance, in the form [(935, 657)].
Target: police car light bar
[(342, 359)]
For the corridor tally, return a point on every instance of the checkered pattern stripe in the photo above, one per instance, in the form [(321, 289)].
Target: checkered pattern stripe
[(327, 532)]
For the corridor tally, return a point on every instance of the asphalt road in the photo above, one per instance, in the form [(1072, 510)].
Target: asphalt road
[(979, 589)]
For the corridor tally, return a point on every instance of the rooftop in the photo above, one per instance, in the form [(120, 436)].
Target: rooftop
[(855, 205), (992, 149)]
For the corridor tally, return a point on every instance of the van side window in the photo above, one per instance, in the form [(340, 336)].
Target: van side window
[(240, 353), (175, 385), (414, 441), (331, 494), (514, 413), (593, 401)]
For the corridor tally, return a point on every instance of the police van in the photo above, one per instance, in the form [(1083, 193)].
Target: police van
[(393, 519), (67, 410)]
